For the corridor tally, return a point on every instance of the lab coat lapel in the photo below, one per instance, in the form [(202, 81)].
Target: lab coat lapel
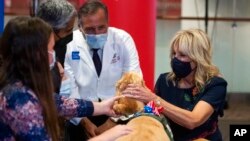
[(108, 54), (84, 52)]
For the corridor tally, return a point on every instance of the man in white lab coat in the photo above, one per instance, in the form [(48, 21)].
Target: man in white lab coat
[(91, 79)]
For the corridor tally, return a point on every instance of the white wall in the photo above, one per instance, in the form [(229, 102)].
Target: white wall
[(231, 45), (165, 30)]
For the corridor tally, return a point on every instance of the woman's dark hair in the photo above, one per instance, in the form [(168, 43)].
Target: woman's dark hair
[(24, 51)]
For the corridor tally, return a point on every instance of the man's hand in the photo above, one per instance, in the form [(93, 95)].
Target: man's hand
[(105, 126), (89, 127)]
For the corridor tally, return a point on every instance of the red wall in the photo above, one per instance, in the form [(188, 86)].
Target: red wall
[(138, 18)]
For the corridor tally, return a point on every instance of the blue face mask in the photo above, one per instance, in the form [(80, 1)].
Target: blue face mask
[(65, 87), (96, 41)]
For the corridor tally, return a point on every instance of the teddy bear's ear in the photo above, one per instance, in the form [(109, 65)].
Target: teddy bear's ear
[(118, 93), (119, 87), (118, 83)]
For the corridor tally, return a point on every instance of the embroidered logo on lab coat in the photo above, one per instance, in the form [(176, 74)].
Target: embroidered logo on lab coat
[(115, 58), (75, 55)]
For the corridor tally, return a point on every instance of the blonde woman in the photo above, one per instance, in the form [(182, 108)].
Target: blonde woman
[(193, 94)]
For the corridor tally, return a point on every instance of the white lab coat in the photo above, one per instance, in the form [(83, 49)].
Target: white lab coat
[(119, 56)]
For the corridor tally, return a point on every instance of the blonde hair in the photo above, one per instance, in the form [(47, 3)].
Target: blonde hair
[(195, 44)]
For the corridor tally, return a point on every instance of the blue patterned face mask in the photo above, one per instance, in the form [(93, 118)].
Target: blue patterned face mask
[(96, 41)]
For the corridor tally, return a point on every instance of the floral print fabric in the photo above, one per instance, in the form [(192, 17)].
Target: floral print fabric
[(21, 114)]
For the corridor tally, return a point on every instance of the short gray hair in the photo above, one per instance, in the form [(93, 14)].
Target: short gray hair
[(91, 7), (56, 12)]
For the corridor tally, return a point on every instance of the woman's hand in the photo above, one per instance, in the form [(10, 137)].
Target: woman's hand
[(138, 92), (113, 133), (106, 107)]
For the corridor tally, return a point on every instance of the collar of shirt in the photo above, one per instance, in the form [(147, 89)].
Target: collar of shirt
[(100, 52)]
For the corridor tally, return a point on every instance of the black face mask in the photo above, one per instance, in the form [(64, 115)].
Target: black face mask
[(60, 47), (62, 42), (181, 69)]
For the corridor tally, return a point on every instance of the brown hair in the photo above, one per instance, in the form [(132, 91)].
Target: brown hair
[(91, 7), (24, 50)]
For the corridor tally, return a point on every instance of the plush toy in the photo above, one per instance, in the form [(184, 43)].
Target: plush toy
[(128, 106)]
